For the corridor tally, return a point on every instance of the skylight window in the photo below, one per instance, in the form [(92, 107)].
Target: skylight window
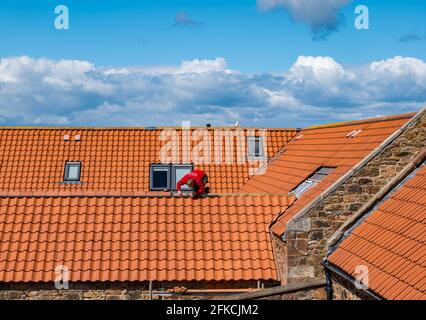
[(321, 174), (164, 177), (159, 177), (312, 181), (178, 171), (255, 146), (72, 171)]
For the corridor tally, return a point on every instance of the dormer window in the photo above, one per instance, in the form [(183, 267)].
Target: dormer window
[(72, 171), (255, 147)]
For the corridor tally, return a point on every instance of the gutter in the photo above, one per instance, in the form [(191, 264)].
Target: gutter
[(329, 268), (359, 166)]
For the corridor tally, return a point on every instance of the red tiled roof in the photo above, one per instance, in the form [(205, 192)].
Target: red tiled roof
[(110, 227), (321, 146), (391, 243), (138, 238), (113, 160)]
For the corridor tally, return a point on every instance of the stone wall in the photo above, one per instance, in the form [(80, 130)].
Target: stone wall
[(306, 237), (342, 293), (344, 290), (120, 290), (313, 294)]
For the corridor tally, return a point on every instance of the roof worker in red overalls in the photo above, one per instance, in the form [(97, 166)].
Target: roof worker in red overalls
[(196, 180)]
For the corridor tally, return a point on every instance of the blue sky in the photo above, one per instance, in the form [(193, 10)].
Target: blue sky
[(250, 51)]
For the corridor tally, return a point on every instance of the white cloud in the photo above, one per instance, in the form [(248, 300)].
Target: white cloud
[(198, 66), (187, 66), (400, 67), (313, 90), (398, 78), (322, 16), (324, 70)]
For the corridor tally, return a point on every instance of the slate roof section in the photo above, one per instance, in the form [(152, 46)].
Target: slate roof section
[(138, 238), (113, 159), (391, 242), (312, 148)]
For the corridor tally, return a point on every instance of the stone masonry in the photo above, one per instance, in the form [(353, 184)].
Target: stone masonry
[(306, 237), (343, 290), (119, 290)]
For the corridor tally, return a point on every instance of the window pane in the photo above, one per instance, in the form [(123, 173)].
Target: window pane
[(160, 177), (255, 146), (318, 177), (179, 173), (73, 171), (325, 170), (250, 147)]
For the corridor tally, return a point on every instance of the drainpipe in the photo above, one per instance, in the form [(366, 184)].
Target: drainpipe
[(330, 268), (328, 284)]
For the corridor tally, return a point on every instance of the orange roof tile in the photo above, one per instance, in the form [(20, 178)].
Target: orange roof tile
[(391, 243), (138, 238), (321, 146), (110, 227), (113, 160)]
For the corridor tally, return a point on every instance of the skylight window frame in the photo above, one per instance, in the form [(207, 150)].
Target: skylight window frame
[(314, 179), (173, 175), (152, 168), (299, 190), (67, 167)]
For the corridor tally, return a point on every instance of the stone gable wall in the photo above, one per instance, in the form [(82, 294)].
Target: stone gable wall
[(306, 246)]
